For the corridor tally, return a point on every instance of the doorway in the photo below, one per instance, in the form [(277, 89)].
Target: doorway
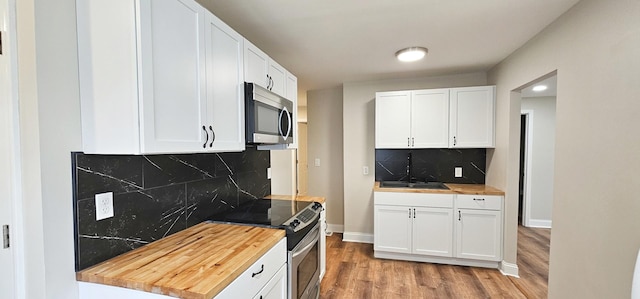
[(537, 144)]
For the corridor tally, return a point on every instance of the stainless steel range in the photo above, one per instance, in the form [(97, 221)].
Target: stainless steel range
[(300, 220)]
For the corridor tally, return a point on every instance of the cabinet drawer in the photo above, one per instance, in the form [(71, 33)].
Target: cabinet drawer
[(432, 200), (247, 284), (479, 202)]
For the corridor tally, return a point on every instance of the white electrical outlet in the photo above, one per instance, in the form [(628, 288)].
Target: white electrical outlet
[(365, 170), (458, 172), (104, 205), (269, 173), (317, 162)]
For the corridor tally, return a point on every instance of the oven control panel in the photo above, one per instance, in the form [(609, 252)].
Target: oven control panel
[(308, 216)]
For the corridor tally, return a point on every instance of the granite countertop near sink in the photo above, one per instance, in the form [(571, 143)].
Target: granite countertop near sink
[(474, 189), (197, 262)]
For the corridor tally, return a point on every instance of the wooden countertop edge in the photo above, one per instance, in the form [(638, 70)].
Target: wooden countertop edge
[(471, 189), (307, 198), (93, 275)]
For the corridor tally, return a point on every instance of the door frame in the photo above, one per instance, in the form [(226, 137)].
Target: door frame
[(526, 197), (15, 198)]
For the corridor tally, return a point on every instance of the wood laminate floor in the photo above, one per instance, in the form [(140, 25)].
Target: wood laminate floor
[(352, 272)]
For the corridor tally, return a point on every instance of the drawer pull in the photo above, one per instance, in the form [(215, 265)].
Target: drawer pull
[(479, 199), (261, 270)]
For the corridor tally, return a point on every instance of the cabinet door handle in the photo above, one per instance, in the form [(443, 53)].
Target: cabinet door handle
[(409, 213), (459, 216), (454, 141), (408, 142), (414, 213), (413, 142), (479, 199), (268, 81), (207, 137), (261, 270), (213, 136)]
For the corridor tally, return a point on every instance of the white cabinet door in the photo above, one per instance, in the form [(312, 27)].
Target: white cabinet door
[(278, 77), (392, 228), (225, 87), (256, 65), (276, 288), (392, 123), (430, 118), (472, 119), (433, 232), (173, 76), (479, 234)]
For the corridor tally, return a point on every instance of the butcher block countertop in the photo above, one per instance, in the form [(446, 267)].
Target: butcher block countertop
[(298, 198), (197, 262), (474, 189)]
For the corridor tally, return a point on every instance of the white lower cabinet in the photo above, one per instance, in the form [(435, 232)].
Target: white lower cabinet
[(479, 227), (439, 228), (276, 288), (263, 278), (413, 223)]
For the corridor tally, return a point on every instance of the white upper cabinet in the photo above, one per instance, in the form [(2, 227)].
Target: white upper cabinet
[(472, 117), (430, 118), (148, 92), (278, 77), (225, 86), (256, 66), (393, 122), (435, 118), (172, 74), (262, 70)]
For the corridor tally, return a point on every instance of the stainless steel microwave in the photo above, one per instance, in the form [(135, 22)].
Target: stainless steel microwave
[(269, 117)]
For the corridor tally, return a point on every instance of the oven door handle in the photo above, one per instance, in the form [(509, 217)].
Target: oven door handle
[(307, 247)]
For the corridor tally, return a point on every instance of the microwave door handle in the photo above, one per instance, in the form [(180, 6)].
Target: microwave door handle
[(280, 121), (289, 127)]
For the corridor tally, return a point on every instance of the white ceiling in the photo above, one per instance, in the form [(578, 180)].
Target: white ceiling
[(328, 42), (551, 83)]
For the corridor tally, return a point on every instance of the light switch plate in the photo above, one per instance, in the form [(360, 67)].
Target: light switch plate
[(458, 172), (317, 162), (365, 170), (104, 205)]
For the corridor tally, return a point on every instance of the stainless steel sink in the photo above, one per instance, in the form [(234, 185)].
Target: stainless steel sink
[(416, 185)]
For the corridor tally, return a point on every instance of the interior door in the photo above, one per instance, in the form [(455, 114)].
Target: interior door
[(7, 278)]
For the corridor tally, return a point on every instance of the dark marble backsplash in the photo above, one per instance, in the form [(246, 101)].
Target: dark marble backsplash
[(157, 195), (433, 165)]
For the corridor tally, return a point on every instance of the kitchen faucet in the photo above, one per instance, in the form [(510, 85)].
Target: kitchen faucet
[(409, 168)]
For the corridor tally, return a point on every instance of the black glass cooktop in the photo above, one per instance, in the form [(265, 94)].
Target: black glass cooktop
[(268, 212)]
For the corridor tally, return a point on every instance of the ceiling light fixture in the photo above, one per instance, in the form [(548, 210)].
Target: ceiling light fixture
[(539, 88), (411, 54)]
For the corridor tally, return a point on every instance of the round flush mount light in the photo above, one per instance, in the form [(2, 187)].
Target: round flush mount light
[(411, 54), (539, 88)]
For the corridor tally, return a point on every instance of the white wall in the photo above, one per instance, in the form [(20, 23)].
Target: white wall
[(542, 137), (50, 129), (283, 172), (30, 150), (324, 142), (594, 48), (359, 147)]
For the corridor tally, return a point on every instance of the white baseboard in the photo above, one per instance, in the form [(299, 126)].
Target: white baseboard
[(539, 223), (509, 269), (357, 237), (335, 228)]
